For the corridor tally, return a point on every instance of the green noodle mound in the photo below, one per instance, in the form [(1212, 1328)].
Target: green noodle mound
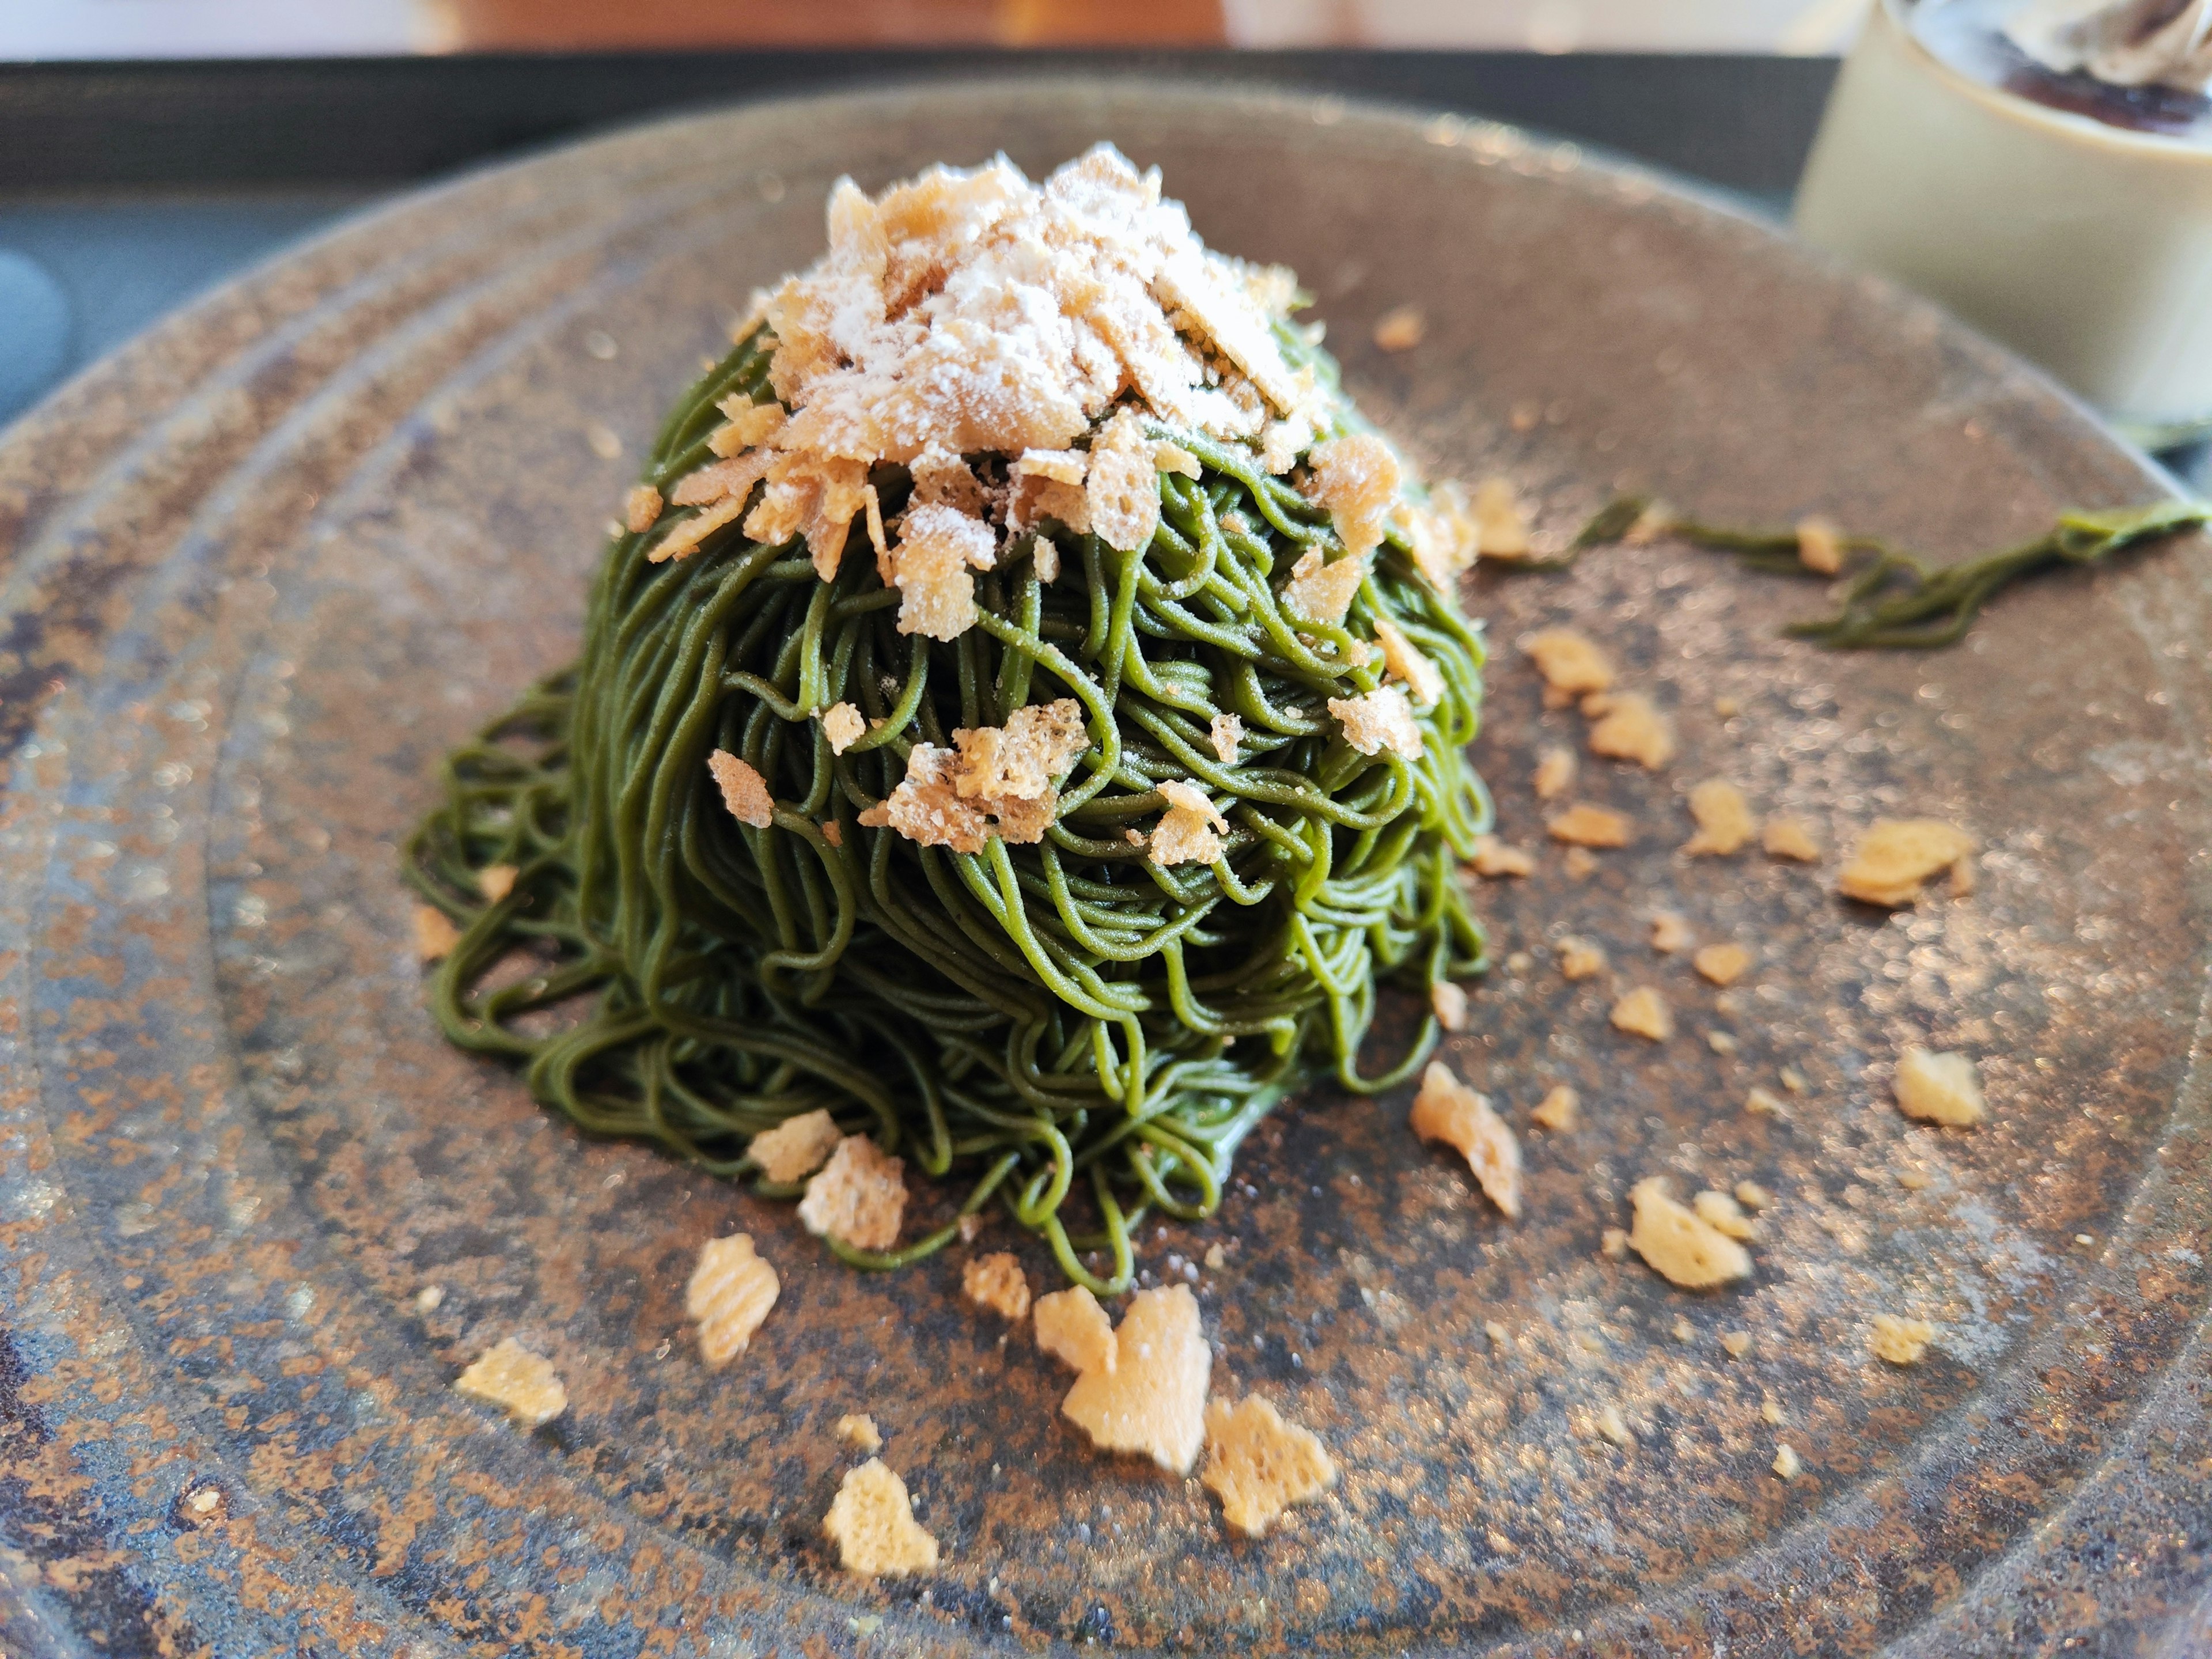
[(1068, 1027)]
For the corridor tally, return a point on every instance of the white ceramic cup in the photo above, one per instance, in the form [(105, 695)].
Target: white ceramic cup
[(2084, 246)]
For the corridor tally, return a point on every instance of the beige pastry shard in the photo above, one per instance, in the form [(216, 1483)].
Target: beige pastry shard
[(872, 1523), (1323, 592), (1259, 1465), (1895, 856), (1153, 1401), (1723, 817), (435, 936), (858, 1198), (1936, 1088), (1493, 859), (858, 1429), (1679, 1245), (730, 1292), (1722, 963), (1789, 838), (1584, 825), (1446, 1109), (1189, 833), (1570, 663), (1555, 774), (745, 791), (1072, 1327), (1379, 719), (519, 1382), (1644, 1013), (796, 1147), (1898, 1341), (1356, 479), (997, 1282), (1629, 726)]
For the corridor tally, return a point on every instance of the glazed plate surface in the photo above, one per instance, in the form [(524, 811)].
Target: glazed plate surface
[(271, 561)]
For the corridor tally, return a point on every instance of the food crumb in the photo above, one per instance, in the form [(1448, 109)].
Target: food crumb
[(1449, 1002), (1787, 1463), (435, 936), (843, 724), (730, 1292), (1259, 1465), (1684, 1331), (1819, 546), (858, 1198), (1939, 1088), (430, 1298), (1644, 1013), (997, 1282), (858, 1429), (1572, 665), (1400, 329), (796, 1147), (1720, 1211), (1555, 773), (523, 1383), (1901, 1341), (1584, 825), (1681, 1245), (1225, 731), (1153, 1399), (641, 509), (1895, 856), (1496, 1332), (1722, 964), (1727, 707), (1612, 1245), (1494, 857), (1073, 1328), (1187, 832), (1580, 959), (872, 1523), (1763, 1102), (1446, 1109), (1723, 818), (1794, 1080), (1721, 1043), (1753, 1196), (1578, 863), (1787, 838), (1771, 1409), (496, 881), (745, 791), (1914, 1180), (1216, 1257), (1670, 932), (1559, 1110), (971, 1226), (1629, 727), (1613, 1427), (1519, 962), (1738, 1344), (1379, 719)]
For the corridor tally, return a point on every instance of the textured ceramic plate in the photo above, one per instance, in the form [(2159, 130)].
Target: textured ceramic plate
[(254, 1216)]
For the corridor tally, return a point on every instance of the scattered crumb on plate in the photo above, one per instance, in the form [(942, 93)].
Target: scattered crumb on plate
[(1787, 1463), (1895, 856), (1400, 329), (1570, 663), (1494, 857), (1555, 773), (1763, 1102), (1153, 1400), (1072, 1327), (857, 1198), (1630, 727), (523, 1383), (1644, 1013), (858, 1429), (1679, 1245), (1939, 1088), (872, 1523), (1670, 932), (796, 1147), (1580, 959), (1720, 1211), (997, 1282), (1901, 1341), (1722, 964), (1559, 1110), (1447, 1002), (1446, 1109), (1738, 1344), (1723, 817), (1787, 838), (435, 936), (730, 1292), (1584, 825), (1259, 1465)]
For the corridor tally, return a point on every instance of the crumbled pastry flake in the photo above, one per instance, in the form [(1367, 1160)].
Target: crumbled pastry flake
[(1819, 546), (1644, 1013), (1670, 932), (435, 936), (1722, 964), (1721, 1043), (843, 724), (927, 807), (930, 567), (1555, 773), (1684, 1331), (1612, 1245), (1400, 329), (1449, 1002), (1794, 1080), (1424, 680), (1723, 1214), (997, 1282), (796, 1147), (1580, 959), (641, 509), (1630, 727), (1753, 1196), (1379, 719), (1896, 855), (1578, 862), (1614, 1427), (683, 540), (1189, 831), (519, 1382), (950, 797), (1225, 732), (1446, 1109), (1122, 491), (1787, 1463), (1763, 1102), (1170, 457), (1153, 1400), (730, 1292), (1738, 1344), (1259, 1465), (746, 425), (1023, 759), (1936, 1088), (1915, 1180), (1322, 592), (1679, 1245), (858, 1429), (1584, 825), (745, 791), (728, 483), (872, 1523), (1216, 1257), (1724, 820), (1499, 522), (1770, 1409), (1065, 466), (1493, 859), (1559, 1110), (858, 1198), (1073, 1328), (1356, 480), (1442, 535), (1787, 838), (496, 881), (1900, 1341), (1572, 665)]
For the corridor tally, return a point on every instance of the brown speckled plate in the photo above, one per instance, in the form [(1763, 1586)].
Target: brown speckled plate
[(270, 561)]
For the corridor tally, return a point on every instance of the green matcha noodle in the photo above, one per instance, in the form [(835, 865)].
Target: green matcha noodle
[(1252, 811)]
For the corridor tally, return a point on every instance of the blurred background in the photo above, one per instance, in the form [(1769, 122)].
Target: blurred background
[(31, 30)]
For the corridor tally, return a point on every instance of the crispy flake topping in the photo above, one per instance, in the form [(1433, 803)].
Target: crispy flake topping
[(858, 1198), (1679, 1245), (1896, 855), (1073, 1327), (1259, 1465), (1939, 1088), (1356, 479), (1379, 719), (745, 791), (998, 1283), (1723, 817), (872, 1523), (1153, 1400), (1446, 1109), (730, 1291), (518, 1381), (1187, 833), (796, 1147)]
